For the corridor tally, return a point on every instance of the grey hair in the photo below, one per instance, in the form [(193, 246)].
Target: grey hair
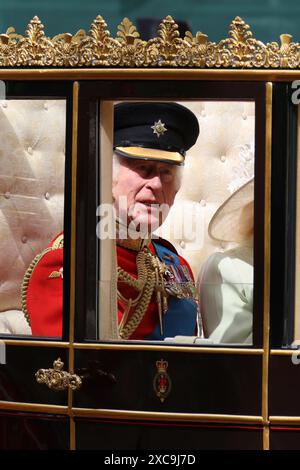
[(116, 162), (115, 167)]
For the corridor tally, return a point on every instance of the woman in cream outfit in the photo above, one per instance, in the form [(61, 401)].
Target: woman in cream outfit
[(226, 279)]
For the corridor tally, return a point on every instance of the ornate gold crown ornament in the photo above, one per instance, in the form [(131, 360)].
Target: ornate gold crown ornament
[(58, 379), (99, 49)]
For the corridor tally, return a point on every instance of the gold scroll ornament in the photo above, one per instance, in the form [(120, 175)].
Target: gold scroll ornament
[(98, 48)]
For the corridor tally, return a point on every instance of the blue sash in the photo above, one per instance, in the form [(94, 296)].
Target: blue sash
[(181, 316)]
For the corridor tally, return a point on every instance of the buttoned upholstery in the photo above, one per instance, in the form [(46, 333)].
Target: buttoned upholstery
[(221, 160), (32, 157)]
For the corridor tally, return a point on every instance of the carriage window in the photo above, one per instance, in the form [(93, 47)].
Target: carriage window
[(176, 250), (32, 166), (297, 257)]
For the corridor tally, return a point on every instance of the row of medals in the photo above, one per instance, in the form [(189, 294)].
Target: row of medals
[(178, 282)]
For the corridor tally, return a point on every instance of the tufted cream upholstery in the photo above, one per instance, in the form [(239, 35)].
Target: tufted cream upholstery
[(32, 156), (214, 167), (32, 181)]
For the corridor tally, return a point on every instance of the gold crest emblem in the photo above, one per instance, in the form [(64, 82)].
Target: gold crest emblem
[(159, 128), (162, 381)]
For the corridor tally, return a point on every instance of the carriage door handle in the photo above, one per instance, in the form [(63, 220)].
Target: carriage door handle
[(58, 379)]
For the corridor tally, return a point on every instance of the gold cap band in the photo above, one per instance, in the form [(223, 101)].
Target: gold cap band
[(152, 154)]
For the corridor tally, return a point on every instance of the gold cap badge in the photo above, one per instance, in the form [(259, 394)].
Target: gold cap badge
[(159, 128)]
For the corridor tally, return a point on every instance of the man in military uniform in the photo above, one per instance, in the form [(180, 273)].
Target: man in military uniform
[(156, 295)]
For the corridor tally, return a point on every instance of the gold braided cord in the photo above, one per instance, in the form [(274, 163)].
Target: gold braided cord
[(150, 272), (133, 303), (144, 285), (138, 284), (26, 280), (58, 243), (125, 314)]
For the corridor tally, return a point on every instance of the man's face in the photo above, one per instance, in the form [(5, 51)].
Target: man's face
[(143, 192)]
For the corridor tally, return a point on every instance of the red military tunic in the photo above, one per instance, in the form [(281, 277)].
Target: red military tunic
[(127, 260), (43, 291)]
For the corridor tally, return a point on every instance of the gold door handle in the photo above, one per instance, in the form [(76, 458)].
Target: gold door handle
[(58, 379)]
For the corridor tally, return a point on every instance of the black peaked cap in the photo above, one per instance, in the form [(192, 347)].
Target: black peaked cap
[(169, 126)]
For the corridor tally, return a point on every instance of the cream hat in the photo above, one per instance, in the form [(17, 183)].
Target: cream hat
[(233, 221)]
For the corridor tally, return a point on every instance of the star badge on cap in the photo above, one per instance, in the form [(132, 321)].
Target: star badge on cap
[(159, 128)]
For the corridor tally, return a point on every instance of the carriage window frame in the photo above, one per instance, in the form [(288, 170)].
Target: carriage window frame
[(284, 292), (33, 90), (93, 93)]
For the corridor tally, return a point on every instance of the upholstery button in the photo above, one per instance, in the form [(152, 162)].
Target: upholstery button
[(45, 106), (30, 150), (244, 116), (47, 196), (223, 158), (7, 195), (203, 113), (203, 203), (24, 239), (4, 104), (182, 244)]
